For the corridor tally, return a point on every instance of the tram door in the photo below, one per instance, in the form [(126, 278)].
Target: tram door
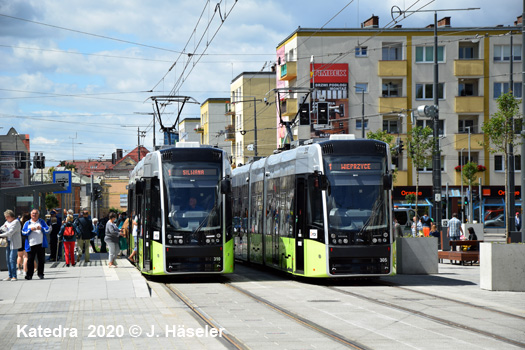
[(300, 223), (146, 227)]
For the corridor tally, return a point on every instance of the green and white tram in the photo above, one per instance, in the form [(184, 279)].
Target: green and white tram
[(182, 199), (319, 210)]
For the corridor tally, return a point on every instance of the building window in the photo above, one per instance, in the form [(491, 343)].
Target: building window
[(361, 87), (502, 53), (499, 164), (361, 51), (358, 124), (391, 126), (425, 54), (467, 122), (429, 123), (392, 52), (503, 88), (463, 157), (426, 91), (428, 167), (392, 88), (468, 87), (468, 50)]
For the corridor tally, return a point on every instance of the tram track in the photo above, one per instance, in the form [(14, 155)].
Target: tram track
[(229, 338), (484, 308), (301, 320), (435, 318), (236, 343)]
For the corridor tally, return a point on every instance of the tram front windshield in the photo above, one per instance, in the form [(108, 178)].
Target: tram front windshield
[(192, 197), (356, 203)]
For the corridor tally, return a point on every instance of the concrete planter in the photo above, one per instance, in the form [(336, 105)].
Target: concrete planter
[(502, 266), (417, 255)]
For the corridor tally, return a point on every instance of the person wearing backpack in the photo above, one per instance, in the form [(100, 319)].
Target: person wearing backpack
[(84, 226), (68, 235)]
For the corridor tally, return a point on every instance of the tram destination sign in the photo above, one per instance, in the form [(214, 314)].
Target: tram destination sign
[(193, 172), (353, 166)]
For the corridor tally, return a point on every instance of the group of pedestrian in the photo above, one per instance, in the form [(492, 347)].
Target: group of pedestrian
[(27, 240)]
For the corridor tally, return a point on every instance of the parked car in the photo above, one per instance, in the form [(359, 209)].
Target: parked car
[(498, 221)]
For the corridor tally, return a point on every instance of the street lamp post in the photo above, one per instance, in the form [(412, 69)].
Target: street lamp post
[(470, 209), (461, 179)]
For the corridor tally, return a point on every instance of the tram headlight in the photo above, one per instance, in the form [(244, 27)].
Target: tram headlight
[(345, 241), (180, 241), (218, 240), (207, 240), (374, 240), (218, 235), (334, 241), (170, 241), (384, 240), (385, 234), (170, 236), (339, 241), (332, 235)]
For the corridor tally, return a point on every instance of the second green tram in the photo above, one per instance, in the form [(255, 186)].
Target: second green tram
[(181, 197), (318, 210)]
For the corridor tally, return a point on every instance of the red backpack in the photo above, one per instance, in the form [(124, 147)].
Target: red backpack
[(68, 231)]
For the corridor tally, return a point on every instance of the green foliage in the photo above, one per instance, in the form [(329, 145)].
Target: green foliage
[(500, 132), (115, 210), (410, 198), (419, 146), (51, 201), (382, 135), (469, 173)]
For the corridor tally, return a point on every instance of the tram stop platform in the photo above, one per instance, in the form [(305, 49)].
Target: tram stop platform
[(92, 306)]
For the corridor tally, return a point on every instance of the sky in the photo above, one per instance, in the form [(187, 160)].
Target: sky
[(77, 75)]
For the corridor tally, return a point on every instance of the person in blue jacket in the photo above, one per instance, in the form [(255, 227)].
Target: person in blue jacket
[(35, 230)]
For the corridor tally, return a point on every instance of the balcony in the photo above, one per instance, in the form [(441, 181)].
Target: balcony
[(392, 68), (389, 104), (468, 68), (229, 133), (461, 141), (199, 129), (289, 71), (230, 109), (289, 107), (468, 104)]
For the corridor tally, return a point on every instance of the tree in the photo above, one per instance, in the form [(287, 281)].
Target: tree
[(382, 135), (469, 173), (51, 201), (419, 146), (500, 132)]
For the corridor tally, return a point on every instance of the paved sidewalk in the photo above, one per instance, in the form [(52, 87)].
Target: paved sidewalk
[(92, 306)]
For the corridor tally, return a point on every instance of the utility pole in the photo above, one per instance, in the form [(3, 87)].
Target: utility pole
[(139, 134), (511, 195), (523, 110), (436, 157)]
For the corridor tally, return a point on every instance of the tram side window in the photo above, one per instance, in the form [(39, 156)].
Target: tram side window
[(155, 204), (315, 203)]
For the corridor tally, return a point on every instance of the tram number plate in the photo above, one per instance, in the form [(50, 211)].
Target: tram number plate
[(217, 258), (383, 260)]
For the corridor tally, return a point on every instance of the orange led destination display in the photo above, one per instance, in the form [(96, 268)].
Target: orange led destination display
[(354, 166), (193, 172)]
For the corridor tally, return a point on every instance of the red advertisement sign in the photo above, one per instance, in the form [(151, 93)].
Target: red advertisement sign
[(329, 73)]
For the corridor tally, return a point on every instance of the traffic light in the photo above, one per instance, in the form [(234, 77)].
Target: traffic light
[(322, 113), (96, 193), (304, 114), (42, 162), (401, 146), (113, 158), (341, 110), (465, 201), (21, 160), (36, 161)]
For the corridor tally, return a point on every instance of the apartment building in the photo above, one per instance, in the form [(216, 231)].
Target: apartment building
[(213, 123), (253, 126), (372, 79)]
